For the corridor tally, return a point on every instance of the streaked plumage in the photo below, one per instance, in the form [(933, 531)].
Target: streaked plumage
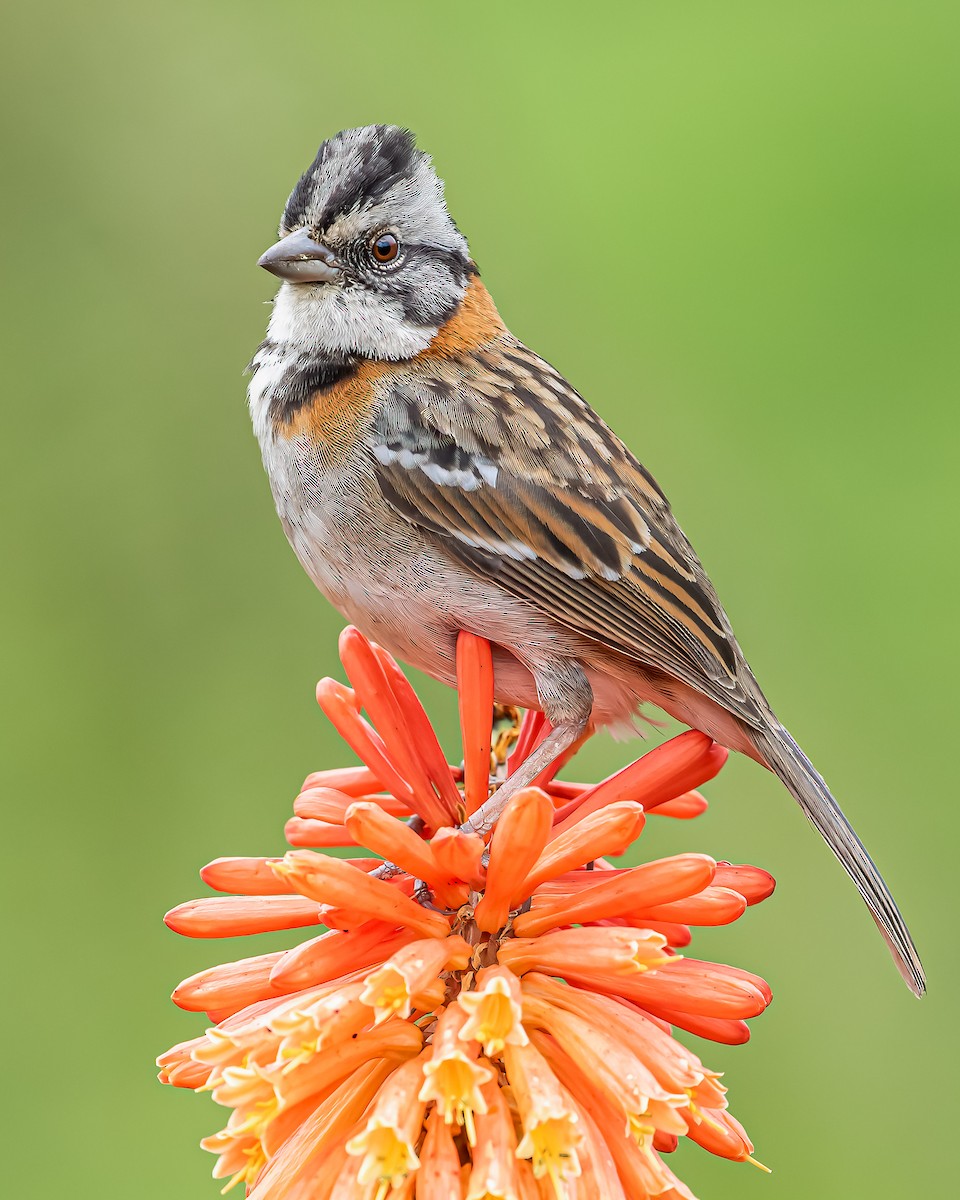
[(433, 474)]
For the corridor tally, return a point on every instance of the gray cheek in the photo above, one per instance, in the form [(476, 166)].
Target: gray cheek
[(428, 293)]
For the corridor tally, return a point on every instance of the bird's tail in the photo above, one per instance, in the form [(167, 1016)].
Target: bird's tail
[(786, 759)]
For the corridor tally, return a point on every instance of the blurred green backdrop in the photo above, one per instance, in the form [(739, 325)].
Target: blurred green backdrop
[(734, 227)]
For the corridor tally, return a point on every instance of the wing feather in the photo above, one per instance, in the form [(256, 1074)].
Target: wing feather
[(515, 477)]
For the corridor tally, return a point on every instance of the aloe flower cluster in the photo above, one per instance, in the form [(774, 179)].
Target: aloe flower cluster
[(481, 1017)]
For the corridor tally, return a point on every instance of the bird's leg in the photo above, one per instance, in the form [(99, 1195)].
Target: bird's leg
[(567, 700), (553, 745)]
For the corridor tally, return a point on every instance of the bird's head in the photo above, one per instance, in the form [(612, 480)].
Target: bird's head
[(371, 261)]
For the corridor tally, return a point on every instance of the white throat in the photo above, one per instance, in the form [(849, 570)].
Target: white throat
[(332, 319)]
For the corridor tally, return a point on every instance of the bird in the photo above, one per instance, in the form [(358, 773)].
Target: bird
[(434, 475)]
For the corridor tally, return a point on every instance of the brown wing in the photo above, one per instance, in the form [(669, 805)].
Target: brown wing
[(521, 482)]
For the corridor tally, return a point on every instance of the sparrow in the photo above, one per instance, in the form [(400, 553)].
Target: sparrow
[(434, 475)]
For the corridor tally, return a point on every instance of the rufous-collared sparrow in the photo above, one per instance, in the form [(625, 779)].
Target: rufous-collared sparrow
[(434, 475)]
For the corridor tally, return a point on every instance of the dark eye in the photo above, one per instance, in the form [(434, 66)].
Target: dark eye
[(385, 247)]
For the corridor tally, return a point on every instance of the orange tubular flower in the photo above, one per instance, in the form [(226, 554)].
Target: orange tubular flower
[(476, 1017), (452, 1076), (493, 1174), (386, 1143), (393, 988), (548, 1121), (495, 1011), (438, 1177)]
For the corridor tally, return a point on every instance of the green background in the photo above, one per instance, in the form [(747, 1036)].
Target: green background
[(734, 227)]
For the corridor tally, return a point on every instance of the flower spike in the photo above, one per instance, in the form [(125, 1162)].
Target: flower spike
[(468, 1020)]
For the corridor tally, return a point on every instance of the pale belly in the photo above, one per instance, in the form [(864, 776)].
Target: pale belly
[(413, 602)]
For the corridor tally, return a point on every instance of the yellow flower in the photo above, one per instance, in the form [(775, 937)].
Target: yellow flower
[(386, 1143), (495, 1011), (452, 1075), (550, 1133), (392, 989)]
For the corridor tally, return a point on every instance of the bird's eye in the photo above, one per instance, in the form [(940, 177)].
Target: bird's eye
[(385, 247)]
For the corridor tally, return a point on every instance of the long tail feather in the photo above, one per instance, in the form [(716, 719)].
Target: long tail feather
[(786, 759)]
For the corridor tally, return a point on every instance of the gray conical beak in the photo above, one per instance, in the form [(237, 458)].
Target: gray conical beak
[(300, 259)]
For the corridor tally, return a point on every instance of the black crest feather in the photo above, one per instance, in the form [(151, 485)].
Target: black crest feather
[(362, 164)]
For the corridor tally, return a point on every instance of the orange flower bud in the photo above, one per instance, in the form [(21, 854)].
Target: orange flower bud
[(668, 771), (683, 808), (684, 986), (354, 781), (493, 1173), (752, 883), (605, 950), (439, 1175), (422, 736), (238, 916), (230, 985), (475, 669), (309, 834), (392, 839), (335, 953), (373, 692), (459, 855), (518, 839), (712, 906), (246, 876), (533, 729), (341, 708), (332, 881), (652, 883), (610, 831)]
